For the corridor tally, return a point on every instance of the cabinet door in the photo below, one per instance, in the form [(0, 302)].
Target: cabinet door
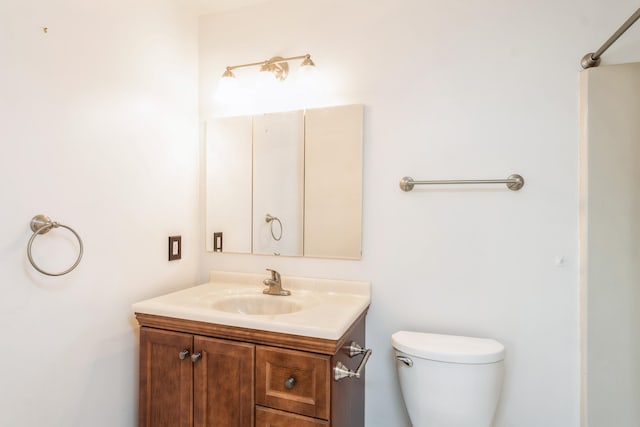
[(166, 381), (223, 383)]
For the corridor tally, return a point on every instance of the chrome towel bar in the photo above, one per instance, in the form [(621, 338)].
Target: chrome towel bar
[(514, 182)]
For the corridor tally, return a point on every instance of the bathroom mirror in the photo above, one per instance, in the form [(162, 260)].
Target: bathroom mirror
[(286, 183)]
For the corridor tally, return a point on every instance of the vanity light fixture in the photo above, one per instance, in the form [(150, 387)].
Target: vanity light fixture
[(277, 65)]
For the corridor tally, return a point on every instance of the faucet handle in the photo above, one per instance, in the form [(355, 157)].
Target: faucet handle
[(274, 275)]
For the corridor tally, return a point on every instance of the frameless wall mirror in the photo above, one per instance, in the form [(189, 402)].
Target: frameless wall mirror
[(286, 183)]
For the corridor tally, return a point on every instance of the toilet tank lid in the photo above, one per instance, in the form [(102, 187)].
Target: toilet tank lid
[(448, 348)]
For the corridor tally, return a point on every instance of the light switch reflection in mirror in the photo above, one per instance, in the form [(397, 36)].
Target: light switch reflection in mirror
[(228, 183)]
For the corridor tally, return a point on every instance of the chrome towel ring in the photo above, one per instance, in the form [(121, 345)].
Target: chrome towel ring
[(42, 224), (271, 219)]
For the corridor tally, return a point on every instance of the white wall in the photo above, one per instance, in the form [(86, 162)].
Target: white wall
[(452, 90), (98, 130)]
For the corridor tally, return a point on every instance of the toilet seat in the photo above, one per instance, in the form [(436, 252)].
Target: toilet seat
[(448, 348)]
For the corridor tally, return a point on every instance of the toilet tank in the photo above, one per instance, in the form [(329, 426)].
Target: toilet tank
[(453, 381)]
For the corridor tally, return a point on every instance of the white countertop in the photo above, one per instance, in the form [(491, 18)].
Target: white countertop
[(328, 307)]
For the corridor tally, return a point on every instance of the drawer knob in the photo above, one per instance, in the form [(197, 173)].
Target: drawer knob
[(183, 354), (195, 357), (289, 383)]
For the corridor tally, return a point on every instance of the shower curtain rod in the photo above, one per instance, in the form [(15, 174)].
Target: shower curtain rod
[(593, 59)]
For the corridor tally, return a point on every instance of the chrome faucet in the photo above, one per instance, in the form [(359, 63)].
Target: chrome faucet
[(274, 284)]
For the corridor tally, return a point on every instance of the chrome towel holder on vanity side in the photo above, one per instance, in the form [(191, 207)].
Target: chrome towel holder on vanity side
[(341, 371), (42, 224)]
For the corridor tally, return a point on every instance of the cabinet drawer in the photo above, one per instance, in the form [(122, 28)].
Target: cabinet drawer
[(266, 417), (293, 381)]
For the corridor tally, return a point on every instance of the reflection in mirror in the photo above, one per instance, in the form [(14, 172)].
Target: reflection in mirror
[(302, 167), (278, 183), (228, 184)]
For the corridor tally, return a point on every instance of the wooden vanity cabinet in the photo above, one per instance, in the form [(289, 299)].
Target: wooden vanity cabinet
[(196, 374)]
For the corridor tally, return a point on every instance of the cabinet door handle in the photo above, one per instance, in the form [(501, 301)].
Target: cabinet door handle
[(183, 354), (289, 383), (196, 356)]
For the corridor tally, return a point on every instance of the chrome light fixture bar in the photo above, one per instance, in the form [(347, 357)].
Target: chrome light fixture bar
[(277, 65)]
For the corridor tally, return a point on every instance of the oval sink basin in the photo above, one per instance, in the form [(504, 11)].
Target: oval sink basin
[(256, 305)]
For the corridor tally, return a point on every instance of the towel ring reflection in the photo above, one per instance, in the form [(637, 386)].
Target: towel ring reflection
[(42, 224), (271, 219)]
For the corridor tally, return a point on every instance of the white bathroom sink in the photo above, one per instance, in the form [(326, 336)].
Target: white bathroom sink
[(259, 305), (319, 308)]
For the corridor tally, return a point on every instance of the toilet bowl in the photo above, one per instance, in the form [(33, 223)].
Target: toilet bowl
[(449, 381)]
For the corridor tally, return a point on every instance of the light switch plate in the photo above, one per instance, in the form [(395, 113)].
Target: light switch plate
[(175, 248), (217, 241)]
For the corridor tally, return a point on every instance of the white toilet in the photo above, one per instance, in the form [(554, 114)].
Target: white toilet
[(449, 381)]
